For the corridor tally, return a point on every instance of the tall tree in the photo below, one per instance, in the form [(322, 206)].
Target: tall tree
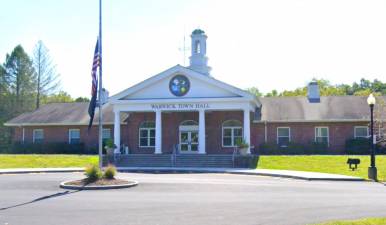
[(255, 91), (47, 79), (20, 76)]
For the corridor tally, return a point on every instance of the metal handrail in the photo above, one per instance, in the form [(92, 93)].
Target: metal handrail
[(235, 152)]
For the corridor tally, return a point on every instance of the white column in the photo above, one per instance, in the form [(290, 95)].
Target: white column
[(201, 132), (247, 128), (158, 132), (117, 130)]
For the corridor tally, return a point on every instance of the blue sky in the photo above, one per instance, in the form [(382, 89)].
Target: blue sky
[(272, 44)]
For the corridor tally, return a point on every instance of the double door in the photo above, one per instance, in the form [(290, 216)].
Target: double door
[(189, 141)]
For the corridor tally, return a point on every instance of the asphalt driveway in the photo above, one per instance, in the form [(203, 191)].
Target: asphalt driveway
[(175, 199)]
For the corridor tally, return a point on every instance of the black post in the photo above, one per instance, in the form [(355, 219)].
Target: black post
[(372, 172)]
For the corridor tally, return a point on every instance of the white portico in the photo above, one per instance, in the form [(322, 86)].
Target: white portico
[(178, 90)]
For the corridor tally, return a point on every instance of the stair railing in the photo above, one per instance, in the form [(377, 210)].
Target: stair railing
[(235, 152)]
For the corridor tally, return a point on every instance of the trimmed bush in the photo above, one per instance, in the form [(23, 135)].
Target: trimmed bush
[(110, 172), (93, 173), (358, 146), (47, 148), (292, 149)]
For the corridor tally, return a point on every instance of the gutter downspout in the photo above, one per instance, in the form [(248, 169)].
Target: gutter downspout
[(265, 132), (23, 137)]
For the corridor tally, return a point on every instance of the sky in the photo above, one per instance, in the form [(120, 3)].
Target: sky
[(270, 44)]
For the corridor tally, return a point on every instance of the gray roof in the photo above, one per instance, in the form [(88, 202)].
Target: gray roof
[(330, 108), (63, 114), (277, 109)]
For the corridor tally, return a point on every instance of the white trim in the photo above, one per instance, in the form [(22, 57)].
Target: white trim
[(180, 69), (104, 129), (328, 134), (69, 134), (54, 124), (33, 134), (232, 133), (148, 137), (312, 121), (277, 134), (367, 131)]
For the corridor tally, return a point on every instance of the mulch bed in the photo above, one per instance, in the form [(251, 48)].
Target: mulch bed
[(100, 182)]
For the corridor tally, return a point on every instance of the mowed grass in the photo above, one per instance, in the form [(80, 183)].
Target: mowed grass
[(46, 161), (367, 221), (324, 164)]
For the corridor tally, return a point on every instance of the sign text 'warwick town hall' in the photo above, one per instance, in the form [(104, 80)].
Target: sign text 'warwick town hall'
[(181, 106)]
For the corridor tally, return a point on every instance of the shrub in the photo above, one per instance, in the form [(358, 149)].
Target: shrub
[(93, 173), (357, 146), (47, 148), (317, 148), (110, 172), (275, 149)]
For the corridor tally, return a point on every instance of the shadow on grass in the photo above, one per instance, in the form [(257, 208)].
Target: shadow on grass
[(41, 199)]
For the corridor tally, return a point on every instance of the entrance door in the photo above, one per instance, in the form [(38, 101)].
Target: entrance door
[(188, 141), (189, 136)]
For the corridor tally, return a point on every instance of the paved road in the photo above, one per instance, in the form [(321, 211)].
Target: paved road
[(176, 199)]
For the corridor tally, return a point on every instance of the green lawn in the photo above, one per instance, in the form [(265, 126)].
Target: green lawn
[(324, 164), (368, 221), (44, 161)]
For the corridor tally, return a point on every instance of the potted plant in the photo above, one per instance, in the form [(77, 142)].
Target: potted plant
[(243, 146), (110, 146)]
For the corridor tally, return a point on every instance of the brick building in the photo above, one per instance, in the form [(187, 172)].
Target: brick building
[(185, 108)]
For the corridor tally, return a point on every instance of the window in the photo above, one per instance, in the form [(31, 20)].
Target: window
[(321, 135), (106, 134), (147, 134), (232, 133), (283, 136), (38, 135), (361, 132), (74, 136)]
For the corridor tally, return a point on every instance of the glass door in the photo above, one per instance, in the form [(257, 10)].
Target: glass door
[(188, 141)]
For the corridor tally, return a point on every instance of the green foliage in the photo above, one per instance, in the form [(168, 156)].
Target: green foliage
[(255, 91), (46, 148), (110, 172), (109, 143), (366, 221), (357, 146), (364, 88), (82, 99), (241, 143), (60, 97), (93, 173), (292, 149)]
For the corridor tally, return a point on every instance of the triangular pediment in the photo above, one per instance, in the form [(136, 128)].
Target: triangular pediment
[(179, 82)]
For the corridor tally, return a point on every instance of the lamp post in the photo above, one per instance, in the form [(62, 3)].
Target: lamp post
[(372, 172)]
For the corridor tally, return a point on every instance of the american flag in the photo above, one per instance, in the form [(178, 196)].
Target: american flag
[(94, 83)]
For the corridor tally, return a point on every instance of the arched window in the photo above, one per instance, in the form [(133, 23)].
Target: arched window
[(197, 47), (188, 123), (232, 133), (147, 134)]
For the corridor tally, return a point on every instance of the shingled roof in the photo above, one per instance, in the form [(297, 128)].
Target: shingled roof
[(274, 109), (63, 114), (329, 109)]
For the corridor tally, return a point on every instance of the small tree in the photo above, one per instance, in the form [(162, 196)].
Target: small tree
[(47, 79)]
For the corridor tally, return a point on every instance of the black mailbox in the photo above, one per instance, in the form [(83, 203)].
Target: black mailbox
[(353, 163)]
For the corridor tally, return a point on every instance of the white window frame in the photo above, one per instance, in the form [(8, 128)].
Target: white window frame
[(105, 129), (69, 135), (34, 136), (148, 130), (277, 134), (328, 135), (355, 132), (232, 134)]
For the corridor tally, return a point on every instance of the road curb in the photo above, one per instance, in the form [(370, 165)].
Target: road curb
[(93, 187), (40, 170), (271, 173)]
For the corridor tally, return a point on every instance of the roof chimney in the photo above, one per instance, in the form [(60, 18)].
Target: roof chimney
[(313, 93)]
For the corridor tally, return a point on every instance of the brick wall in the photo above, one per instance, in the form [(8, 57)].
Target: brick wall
[(302, 133)]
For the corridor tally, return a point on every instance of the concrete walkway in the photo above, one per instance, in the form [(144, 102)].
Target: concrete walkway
[(259, 172)]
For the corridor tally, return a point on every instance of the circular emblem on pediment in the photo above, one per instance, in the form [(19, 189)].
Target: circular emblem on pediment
[(179, 85)]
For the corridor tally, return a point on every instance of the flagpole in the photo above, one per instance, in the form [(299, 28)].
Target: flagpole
[(100, 87)]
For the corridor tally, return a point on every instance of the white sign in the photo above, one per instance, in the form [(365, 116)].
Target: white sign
[(178, 106)]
